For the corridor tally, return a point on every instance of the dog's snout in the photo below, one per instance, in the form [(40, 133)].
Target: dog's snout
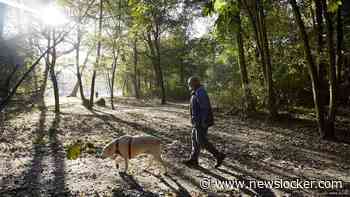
[(103, 155)]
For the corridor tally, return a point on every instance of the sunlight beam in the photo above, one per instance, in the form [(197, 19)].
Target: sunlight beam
[(19, 6), (53, 17), (49, 15)]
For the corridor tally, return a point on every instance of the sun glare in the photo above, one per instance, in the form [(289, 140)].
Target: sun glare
[(53, 16)]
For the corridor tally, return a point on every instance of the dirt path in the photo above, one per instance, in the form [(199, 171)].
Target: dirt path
[(33, 153)]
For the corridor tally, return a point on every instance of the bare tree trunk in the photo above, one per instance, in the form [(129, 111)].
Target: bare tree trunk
[(249, 104), (53, 74), (271, 102), (160, 77), (77, 66), (340, 39), (114, 69), (258, 23), (254, 20), (332, 74), (112, 84), (79, 83), (158, 65), (321, 74), (154, 47), (92, 93), (312, 69), (47, 68), (319, 29), (135, 82), (115, 56), (75, 90), (139, 81)]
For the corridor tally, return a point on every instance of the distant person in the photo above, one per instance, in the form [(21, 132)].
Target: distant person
[(201, 119), (96, 94)]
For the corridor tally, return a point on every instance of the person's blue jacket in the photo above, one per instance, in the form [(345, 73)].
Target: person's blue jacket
[(199, 107)]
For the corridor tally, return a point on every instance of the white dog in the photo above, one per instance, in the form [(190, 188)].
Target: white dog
[(130, 146)]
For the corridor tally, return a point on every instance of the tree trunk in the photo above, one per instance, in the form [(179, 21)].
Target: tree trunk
[(271, 101), (312, 69), (158, 64), (155, 56), (53, 74), (249, 105), (321, 73), (258, 23), (77, 66), (160, 77), (253, 18), (340, 39), (75, 90), (112, 84), (319, 30), (139, 81), (92, 92), (115, 56), (135, 81), (114, 68), (79, 84), (332, 74)]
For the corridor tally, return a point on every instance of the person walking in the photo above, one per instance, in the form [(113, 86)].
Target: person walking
[(201, 119)]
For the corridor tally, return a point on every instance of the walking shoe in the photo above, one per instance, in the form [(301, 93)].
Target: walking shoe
[(191, 163), (219, 160)]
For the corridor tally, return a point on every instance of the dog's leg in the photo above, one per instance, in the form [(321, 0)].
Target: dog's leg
[(162, 162), (126, 165), (116, 164), (150, 162), (158, 158)]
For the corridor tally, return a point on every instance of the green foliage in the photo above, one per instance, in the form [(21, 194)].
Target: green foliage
[(74, 150), (333, 5)]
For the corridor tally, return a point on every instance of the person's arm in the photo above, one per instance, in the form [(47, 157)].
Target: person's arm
[(196, 116), (203, 100)]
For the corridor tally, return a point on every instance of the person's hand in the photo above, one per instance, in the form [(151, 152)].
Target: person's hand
[(196, 124)]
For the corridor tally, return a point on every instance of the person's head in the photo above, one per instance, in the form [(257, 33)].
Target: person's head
[(193, 83)]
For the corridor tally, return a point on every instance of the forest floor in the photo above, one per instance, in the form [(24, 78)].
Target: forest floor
[(34, 142)]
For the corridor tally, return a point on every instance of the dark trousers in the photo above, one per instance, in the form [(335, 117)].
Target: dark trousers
[(199, 141)]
